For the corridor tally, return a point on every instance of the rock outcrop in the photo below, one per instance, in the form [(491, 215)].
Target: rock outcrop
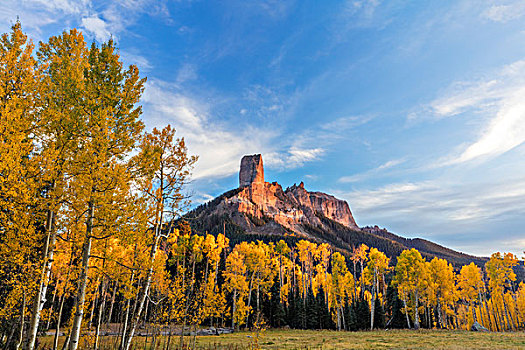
[(252, 170), (476, 327), (293, 208)]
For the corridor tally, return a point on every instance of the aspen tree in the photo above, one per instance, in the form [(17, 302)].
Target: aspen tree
[(169, 166), (376, 267), (236, 283), (20, 206), (441, 287), (341, 279), (360, 255), (110, 130), (500, 274), (62, 62), (409, 279)]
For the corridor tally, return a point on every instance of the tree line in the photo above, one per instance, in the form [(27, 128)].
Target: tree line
[(90, 244)]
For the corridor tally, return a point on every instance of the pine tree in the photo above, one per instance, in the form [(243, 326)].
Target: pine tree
[(379, 317)]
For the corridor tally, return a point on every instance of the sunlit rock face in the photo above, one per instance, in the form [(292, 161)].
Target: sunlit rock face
[(293, 208), (252, 170)]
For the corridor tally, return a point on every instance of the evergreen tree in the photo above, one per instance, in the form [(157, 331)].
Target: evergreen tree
[(379, 316), (393, 305), (363, 315)]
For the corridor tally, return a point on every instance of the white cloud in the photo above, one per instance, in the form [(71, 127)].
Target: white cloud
[(505, 132), (505, 11), (441, 210), (439, 203), (372, 172), (500, 99), (97, 26), (219, 146), (186, 73), (99, 20), (294, 157), (140, 61), (346, 123), (65, 6)]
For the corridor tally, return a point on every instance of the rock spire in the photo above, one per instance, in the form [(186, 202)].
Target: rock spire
[(252, 170)]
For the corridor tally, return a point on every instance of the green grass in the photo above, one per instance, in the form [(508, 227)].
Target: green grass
[(394, 339)]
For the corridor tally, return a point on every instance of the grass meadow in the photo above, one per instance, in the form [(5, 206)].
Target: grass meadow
[(307, 339)]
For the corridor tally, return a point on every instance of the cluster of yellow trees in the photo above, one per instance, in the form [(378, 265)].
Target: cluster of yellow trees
[(428, 288), (84, 191), (489, 297)]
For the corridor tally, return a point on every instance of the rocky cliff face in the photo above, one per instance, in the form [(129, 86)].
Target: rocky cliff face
[(293, 208), (252, 170)]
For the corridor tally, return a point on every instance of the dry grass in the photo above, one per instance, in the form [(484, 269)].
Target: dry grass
[(394, 339)]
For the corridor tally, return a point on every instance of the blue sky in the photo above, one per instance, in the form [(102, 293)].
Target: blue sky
[(412, 111)]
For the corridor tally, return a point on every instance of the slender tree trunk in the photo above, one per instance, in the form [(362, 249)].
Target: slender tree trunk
[(187, 307), (416, 311), (250, 298), (280, 273), (355, 280), (406, 309), (94, 306), (234, 308), (362, 280), (62, 300), (497, 320), (125, 324), (40, 297), (22, 322), (471, 304), (258, 287), (82, 283), (112, 303), (59, 318), (338, 318), (100, 315), (507, 316), (483, 320), (10, 337), (169, 328), (51, 309), (373, 304), (144, 290), (440, 319)]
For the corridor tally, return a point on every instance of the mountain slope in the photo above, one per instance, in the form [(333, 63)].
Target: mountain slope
[(260, 210)]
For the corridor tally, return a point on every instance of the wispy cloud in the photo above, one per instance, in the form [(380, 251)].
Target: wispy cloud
[(431, 199), (443, 208), (97, 26), (140, 61), (99, 20), (372, 172), (218, 144), (186, 73), (499, 99), (346, 123), (505, 11), (218, 148), (294, 157)]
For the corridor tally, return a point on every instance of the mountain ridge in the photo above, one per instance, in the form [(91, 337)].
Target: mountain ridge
[(259, 210)]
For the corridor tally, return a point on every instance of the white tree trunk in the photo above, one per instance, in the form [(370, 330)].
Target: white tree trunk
[(82, 281), (40, 297)]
